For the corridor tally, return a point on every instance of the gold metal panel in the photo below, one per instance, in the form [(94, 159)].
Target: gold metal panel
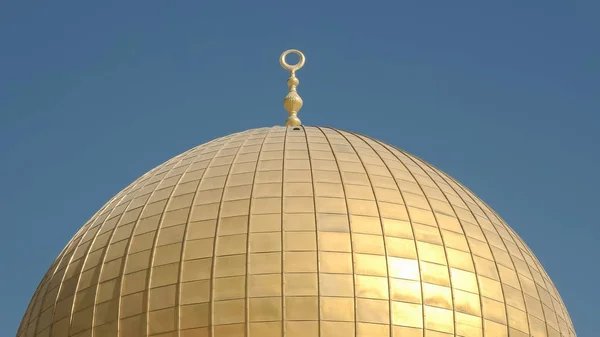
[(266, 329), (300, 241), (337, 235), (262, 223), (302, 308), (195, 292), (403, 268), (297, 262), (194, 316), (337, 309), (407, 314), (371, 287), (228, 312), (437, 296), (264, 285), (337, 329), (264, 309), (439, 319), (228, 288), (336, 285), (300, 284), (264, 263)]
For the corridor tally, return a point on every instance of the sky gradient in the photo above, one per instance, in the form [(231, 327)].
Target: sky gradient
[(502, 96)]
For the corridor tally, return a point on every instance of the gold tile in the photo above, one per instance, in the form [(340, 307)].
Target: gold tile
[(194, 316), (372, 311), (368, 244), (300, 284), (167, 254), (437, 296), (133, 304), (264, 263), (163, 297), (265, 329), (439, 319), (403, 268), (335, 242), (301, 328), (407, 314), (467, 303), (371, 287), (337, 329), (227, 288), (265, 242), (264, 309), (333, 222), (161, 321), (195, 292), (231, 244), (297, 262), (301, 308), (336, 285), (264, 285), (405, 290), (337, 309), (372, 330), (228, 312), (196, 270), (232, 265), (164, 275), (399, 247)]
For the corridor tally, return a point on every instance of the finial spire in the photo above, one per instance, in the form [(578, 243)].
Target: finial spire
[(292, 102)]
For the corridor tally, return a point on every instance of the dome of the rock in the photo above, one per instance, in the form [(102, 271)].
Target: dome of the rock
[(296, 232)]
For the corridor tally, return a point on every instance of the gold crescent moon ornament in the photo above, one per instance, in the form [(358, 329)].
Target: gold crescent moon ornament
[(292, 101)]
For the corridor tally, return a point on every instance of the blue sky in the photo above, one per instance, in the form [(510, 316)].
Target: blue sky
[(504, 96)]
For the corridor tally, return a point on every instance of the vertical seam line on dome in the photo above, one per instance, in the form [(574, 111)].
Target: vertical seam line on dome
[(211, 301), (349, 227), (317, 251), (387, 268), (510, 232), (489, 246), (281, 235), (247, 292), (441, 238), (132, 236), (85, 258), (105, 251), (179, 283), (155, 241), (414, 240), (477, 275)]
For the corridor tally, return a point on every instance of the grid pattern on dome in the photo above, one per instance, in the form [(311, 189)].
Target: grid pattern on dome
[(283, 232)]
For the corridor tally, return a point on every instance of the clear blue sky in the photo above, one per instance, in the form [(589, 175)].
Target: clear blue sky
[(502, 95)]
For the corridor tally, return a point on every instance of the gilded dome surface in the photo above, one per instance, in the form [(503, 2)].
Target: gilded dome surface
[(295, 232)]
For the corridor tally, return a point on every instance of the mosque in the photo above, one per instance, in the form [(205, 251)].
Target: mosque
[(296, 231)]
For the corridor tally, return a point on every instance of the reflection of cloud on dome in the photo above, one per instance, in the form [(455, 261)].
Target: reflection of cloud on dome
[(276, 231)]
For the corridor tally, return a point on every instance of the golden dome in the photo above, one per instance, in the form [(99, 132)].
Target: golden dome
[(295, 231)]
